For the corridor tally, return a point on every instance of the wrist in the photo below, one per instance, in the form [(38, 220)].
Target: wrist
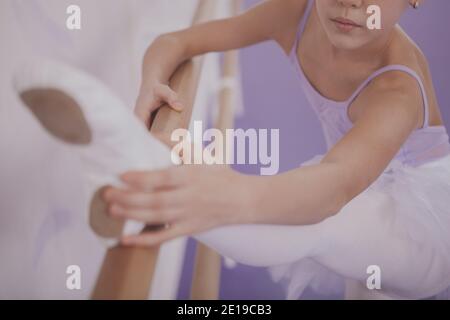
[(152, 74), (161, 59), (150, 80)]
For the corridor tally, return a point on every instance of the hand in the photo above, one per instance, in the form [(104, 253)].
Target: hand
[(188, 199), (152, 96)]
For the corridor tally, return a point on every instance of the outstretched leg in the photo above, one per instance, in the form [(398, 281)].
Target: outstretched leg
[(367, 232), (265, 245), (363, 234)]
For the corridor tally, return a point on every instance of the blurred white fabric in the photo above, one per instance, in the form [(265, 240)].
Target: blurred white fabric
[(42, 230)]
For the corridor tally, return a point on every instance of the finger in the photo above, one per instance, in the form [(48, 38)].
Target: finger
[(144, 106), (165, 93), (142, 200), (157, 237), (140, 111), (187, 153), (150, 181), (165, 139), (148, 216)]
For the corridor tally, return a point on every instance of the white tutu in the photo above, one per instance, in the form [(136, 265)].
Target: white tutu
[(401, 223)]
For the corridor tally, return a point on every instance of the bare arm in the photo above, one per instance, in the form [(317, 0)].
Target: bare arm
[(268, 21), (271, 20), (200, 198), (390, 110)]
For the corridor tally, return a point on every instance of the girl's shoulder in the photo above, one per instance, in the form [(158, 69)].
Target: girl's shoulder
[(402, 54), (405, 52)]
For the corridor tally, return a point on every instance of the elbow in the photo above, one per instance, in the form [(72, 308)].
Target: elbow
[(346, 188), (339, 203), (346, 193), (335, 205), (172, 42), (338, 200), (170, 39)]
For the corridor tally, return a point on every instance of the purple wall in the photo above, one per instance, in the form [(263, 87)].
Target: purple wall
[(273, 100)]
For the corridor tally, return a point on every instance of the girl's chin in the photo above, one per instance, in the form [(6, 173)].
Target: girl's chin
[(345, 46), (346, 42)]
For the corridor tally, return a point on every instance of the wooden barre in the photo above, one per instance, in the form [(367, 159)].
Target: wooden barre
[(206, 277), (127, 272), (208, 263)]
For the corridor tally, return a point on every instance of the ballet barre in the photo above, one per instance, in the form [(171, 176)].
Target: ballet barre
[(206, 279), (127, 273)]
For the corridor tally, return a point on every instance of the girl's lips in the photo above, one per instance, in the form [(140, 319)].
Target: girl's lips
[(345, 25)]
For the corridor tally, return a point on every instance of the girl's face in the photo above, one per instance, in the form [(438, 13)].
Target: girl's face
[(345, 21)]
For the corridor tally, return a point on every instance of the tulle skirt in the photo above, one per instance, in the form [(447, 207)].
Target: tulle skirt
[(401, 223)]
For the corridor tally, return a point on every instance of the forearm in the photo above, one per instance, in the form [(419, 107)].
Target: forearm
[(162, 58), (303, 196)]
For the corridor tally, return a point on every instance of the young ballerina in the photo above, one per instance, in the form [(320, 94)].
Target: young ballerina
[(377, 197), (384, 180)]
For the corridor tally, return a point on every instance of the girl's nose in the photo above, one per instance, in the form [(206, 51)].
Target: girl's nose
[(350, 3)]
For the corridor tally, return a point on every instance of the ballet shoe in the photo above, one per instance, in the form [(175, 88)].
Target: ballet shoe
[(85, 116)]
